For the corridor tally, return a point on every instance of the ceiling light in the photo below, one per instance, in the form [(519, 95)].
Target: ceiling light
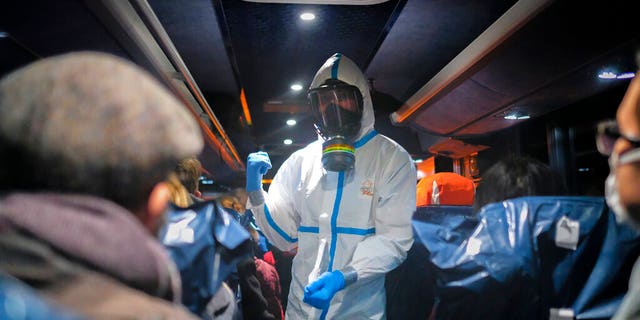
[(307, 16), (291, 122), (626, 75), (287, 141), (296, 87), (3, 34), (516, 115), (607, 75), (613, 75), (417, 160)]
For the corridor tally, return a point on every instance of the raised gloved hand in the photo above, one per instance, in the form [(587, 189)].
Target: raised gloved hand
[(258, 163), (320, 292)]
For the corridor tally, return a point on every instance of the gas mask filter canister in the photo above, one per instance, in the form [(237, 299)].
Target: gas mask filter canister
[(338, 154)]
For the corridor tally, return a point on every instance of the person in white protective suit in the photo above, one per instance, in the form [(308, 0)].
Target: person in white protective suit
[(345, 200)]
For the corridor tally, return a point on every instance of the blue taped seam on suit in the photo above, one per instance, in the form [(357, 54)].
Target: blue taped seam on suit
[(334, 67), (275, 227), (309, 229), (334, 234), (355, 231), (324, 313), (334, 220), (343, 230), (365, 139)]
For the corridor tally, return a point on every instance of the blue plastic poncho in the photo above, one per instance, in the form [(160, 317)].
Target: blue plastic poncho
[(206, 243), (529, 257)]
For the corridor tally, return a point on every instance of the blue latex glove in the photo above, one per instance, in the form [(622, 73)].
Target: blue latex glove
[(320, 292), (258, 163)]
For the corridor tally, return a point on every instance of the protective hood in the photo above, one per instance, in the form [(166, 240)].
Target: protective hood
[(339, 67)]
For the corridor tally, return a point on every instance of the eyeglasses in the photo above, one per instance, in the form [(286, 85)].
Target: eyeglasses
[(608, 133)]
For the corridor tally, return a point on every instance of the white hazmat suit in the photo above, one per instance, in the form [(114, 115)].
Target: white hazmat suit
[(357, 221)]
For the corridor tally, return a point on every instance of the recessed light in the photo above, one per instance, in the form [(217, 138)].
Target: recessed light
[(291, 122), (287, 141), (296, 87), (607, 75), (307, 16), (516, 115), (626, 75)]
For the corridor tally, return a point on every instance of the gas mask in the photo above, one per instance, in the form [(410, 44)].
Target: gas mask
[(611, 188), (337, 110)]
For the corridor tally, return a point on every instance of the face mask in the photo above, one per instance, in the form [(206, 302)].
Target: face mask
[(612, 195), (337, 108), (613, 200)]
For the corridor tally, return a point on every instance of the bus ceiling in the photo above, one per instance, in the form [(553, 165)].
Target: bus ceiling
[(439, 69)]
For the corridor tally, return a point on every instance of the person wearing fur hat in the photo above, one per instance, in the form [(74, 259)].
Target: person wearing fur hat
[(87, 140)]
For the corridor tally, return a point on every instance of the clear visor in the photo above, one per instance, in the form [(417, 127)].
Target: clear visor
[(337, 110)]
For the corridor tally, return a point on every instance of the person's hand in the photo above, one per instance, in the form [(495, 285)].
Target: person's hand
[(320, 292), (258, 163)]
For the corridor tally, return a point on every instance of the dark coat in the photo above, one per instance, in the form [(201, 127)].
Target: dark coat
[(88, 255)]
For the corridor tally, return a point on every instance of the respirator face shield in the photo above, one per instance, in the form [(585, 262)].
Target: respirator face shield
[(337, 110)]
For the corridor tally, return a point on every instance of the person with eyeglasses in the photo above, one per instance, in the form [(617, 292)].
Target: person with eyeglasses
[(620, 140)]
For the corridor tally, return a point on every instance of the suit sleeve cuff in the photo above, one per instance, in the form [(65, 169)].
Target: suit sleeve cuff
[(350, 275), (256, 199)]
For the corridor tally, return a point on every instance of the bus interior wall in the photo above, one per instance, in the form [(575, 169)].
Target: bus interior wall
[(574, 155)]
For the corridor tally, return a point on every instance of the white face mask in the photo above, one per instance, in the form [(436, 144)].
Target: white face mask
[(611, 188)]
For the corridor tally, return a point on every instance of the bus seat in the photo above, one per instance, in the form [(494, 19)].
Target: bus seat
[(445, 188), (410, 287), (529, 258), (443, 226)]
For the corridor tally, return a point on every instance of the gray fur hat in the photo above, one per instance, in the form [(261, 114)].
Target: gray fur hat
[(79, 118)]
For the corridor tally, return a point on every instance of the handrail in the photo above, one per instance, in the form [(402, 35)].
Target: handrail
[(172, 53), (162, 58)]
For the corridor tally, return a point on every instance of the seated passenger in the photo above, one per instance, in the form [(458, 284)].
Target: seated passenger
[(517, 177), (621, 140), (189, 171), (445, 188), (178, 194), (410, 286), (535, 257), (86, 141), (192, 243), (257, 280)]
